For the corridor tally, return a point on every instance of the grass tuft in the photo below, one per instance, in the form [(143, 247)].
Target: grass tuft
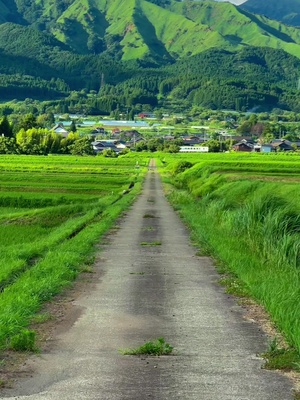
[(234, 286), (150, 243), (23, 341), (149, 216), (136, 273), (157, 347), (278, 357), (148, 229)]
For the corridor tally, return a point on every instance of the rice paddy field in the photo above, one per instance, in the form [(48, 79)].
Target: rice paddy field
[(53, 210), (244, 209)]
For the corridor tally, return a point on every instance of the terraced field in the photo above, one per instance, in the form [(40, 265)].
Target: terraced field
[(244, 209), (52, 212)]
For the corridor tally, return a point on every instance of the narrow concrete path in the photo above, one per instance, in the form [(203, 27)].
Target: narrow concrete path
[(147, 292)]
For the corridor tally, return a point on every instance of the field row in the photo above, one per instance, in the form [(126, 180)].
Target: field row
[(50, 220)]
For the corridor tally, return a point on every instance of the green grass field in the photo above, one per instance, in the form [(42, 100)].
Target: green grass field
[(244, 209), (52, 212)]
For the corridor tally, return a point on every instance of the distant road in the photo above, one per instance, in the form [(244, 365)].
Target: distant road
[(151, 284)]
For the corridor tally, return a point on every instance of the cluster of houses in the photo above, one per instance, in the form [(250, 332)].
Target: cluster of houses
[(247, 145), (121, 139)]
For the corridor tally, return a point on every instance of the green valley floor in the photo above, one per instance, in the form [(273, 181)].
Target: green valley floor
[(150, 283)]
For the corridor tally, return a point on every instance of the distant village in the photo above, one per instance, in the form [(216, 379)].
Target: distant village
[(118, 136)]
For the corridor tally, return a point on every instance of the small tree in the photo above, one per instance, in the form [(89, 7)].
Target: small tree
[(109, 153), (73, 126), (28, 122), (82, 147), (213, 146), (5, 127), (7, 145), (171, 148)]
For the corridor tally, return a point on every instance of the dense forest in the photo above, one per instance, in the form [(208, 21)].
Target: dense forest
[(115, 56)]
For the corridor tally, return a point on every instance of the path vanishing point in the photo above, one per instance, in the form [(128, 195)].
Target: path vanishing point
[(145, 292)]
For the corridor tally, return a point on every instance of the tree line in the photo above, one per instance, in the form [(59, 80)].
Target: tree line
[(28, 137)]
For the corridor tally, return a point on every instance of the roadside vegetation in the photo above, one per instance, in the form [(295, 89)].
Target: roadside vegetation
[(53, 210), (244, 210)]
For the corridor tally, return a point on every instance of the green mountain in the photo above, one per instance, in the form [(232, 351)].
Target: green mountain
[(286, 11), (159, 31), (225, 55)]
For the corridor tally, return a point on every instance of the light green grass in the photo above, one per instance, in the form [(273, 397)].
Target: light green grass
[(176, 30), (46, 245), (259, 223)]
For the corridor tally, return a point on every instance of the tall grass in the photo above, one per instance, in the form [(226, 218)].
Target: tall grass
[(59, 266), (46, 244), (252, 228)]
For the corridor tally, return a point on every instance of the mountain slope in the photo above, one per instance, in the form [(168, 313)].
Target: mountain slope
[(137, 52), (252, 76), (9, 12), (142, 29), (151, 31), (287, 11), (241, 28)]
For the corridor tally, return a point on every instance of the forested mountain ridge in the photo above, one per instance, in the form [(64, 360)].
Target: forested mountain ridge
[(138, 52), (286, 11), (157, 31)]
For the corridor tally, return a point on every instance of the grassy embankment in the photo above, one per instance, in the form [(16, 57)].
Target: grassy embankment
[(247, 215), (52, 212)]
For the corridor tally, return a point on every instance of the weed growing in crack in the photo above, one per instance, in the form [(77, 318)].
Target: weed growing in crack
[(157, 347), (136, 273), (150, 243), (148, 229), (296, 395), (148, 216)]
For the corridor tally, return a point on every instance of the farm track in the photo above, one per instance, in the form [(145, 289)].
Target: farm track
[(147, 291)]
